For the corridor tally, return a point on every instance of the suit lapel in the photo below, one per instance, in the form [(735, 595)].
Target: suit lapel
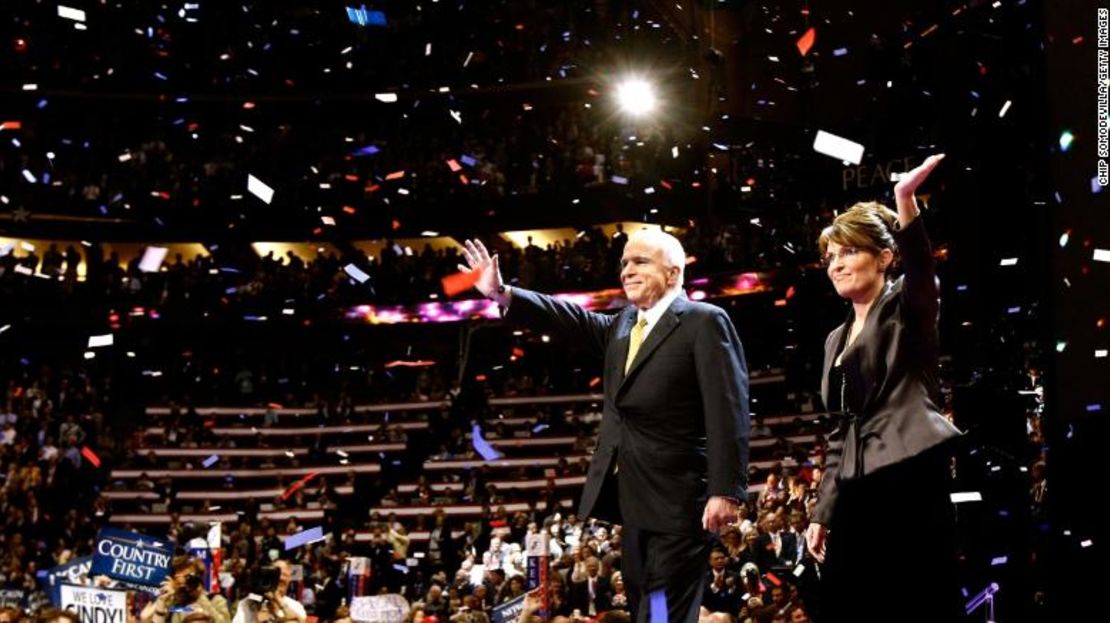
[(830, 354), (666, 325)]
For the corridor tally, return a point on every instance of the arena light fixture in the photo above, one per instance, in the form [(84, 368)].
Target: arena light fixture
[(636, 96)]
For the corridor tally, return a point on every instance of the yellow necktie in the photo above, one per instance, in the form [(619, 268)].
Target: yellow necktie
[(636, 338)]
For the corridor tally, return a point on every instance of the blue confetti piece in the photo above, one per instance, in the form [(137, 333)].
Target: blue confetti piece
[(483, 447), (468, 160), (160, 75), (1091, 408), (42, 104), (1000, 560), (840, 52), (304, 537), (369, 150), (539, 428), (1096, 188), (623, 181), (210, 461)]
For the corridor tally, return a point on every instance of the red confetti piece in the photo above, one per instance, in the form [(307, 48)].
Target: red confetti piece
[(348, 210), (297, 485), (806, 41), (594, 382), (460, 282), (464, 180), (11, 125), (396, 175), (780, 303), (480, 378), (518, 352), (790, 292), (454, 165), (90, 455), (275, 405)]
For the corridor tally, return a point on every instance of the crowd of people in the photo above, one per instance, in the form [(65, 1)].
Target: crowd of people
[(397, 275), (52, 511)]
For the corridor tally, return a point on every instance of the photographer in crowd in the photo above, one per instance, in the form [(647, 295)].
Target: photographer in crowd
[(182, 594), (268, 602)]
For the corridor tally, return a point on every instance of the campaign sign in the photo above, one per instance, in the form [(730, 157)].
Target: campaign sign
[(507, 612), (11, 598), (389, 608), (95, 605), (204, 555), (131, 557), (75, 571)]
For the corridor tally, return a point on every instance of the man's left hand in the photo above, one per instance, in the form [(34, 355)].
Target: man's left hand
[(719, 512)]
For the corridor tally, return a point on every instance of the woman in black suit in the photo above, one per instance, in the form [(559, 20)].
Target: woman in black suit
[(883, 508)]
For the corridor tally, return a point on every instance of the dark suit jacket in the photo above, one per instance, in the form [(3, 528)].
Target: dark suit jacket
[(765, 551), (580, 595), (726, 599), (897, 355), (677, 424)]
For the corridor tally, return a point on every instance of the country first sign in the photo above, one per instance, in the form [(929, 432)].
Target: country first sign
[(131, 557)]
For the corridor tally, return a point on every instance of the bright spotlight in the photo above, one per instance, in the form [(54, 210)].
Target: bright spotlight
[(636, 97)]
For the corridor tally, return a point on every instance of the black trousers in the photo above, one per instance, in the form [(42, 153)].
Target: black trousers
[(891, 547), (664, 575)]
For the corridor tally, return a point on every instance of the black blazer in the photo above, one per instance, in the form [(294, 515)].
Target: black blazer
[(765, 551), (897, 358), (677, 424)]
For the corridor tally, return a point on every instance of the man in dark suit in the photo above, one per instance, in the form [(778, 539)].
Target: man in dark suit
[(589, 590), (722, 592), (672, 457), (776, 548)]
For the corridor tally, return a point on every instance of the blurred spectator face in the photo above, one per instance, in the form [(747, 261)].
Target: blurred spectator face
[(778, 596), (593, 566), (798, 615), (717, 560)]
